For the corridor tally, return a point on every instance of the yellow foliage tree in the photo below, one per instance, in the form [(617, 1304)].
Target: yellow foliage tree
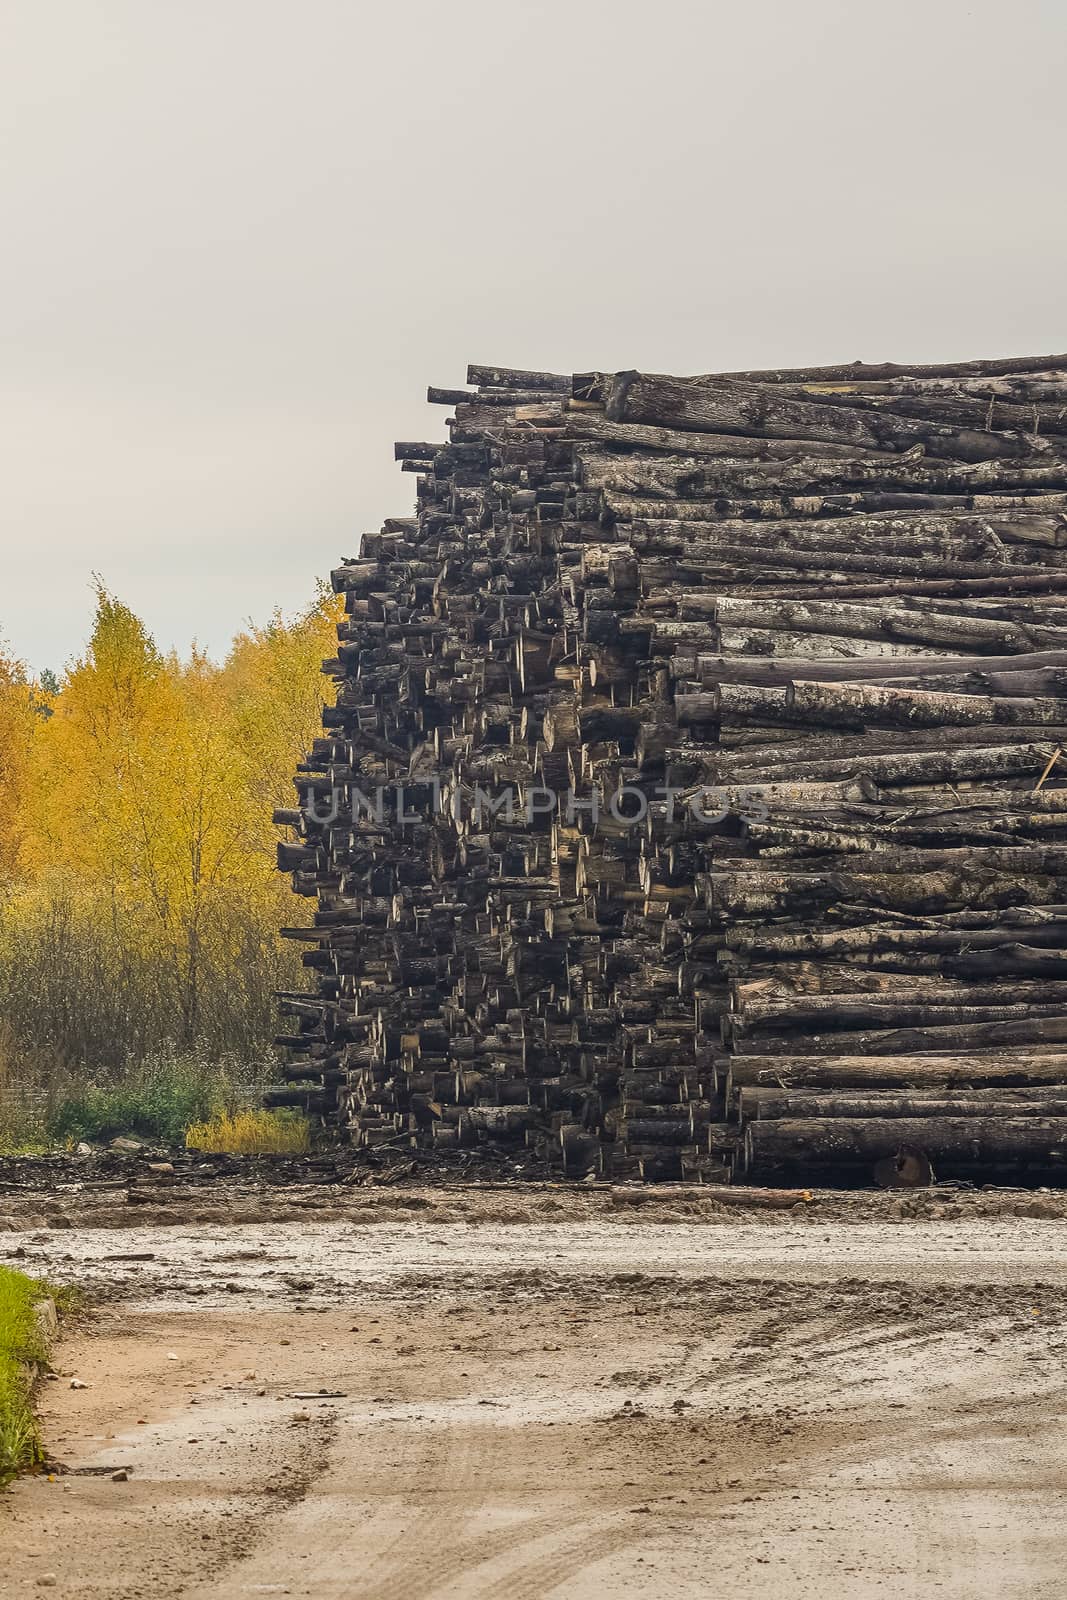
[(19, 718), (148, 881), (274, 684)]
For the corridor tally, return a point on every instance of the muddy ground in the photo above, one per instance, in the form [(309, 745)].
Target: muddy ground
[(543, 1392)]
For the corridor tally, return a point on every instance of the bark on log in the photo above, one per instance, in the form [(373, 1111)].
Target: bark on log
[(939, 1003), (710, 466), (914, 624), (863, 371), (518, 378), (733, 406), (963, 1147), (851, 705), (980, 1068), (922, 767), (712, 669), (800, 1105), (740, 1196), (951, 1039)]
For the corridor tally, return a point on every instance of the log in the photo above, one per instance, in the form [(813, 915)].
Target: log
[(717, 550), (856, 706), (939, 1003), (861, 371), (1040, 1029), (594, 427), (712, 669), (952, 410), (740, 1196), (1024, 959), (518, 378), (1030, 1148), (725, 405), (868, 940), (709, 466), (916, 625), (1011, 685), (800, 1105), (991, 1069), (921, 767)]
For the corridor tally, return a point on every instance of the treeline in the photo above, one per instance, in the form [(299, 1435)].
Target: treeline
[(139, 905)]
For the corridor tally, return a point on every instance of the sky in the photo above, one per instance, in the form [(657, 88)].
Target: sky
[(242, 236)]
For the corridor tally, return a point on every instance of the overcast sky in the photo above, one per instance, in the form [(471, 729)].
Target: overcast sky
[(241, 236)]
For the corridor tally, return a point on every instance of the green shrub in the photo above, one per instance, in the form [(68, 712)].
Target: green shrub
[(157, 1098)]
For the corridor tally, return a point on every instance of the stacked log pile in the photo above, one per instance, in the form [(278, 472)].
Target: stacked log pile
[(694, 800)]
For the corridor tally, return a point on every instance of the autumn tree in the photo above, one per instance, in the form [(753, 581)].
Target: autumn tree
[(18, 722), (148, 905)]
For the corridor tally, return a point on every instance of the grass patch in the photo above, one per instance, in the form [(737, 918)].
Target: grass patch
[(251, 1133), (157, 1099), (22, 1134), (19, 1344)]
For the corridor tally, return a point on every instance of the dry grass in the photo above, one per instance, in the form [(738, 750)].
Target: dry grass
[(251, 1133)]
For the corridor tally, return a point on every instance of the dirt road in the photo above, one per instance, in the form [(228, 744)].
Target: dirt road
[(521, 1409)]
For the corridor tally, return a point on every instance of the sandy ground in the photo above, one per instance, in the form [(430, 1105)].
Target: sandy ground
[(634, 1401)]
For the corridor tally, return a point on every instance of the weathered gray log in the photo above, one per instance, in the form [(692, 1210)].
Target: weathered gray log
[(943, 407), (740, 1196), (310, 1097), (730, 896), (1025, 959), (733, 466), (724, 517), (980, 1068), (780, 747), (711, 669), (937, 1003), (864, 371), (842, 978), (853, 705), (950, 1039), (722, 405), (596, 428), (745, 640), (1048, 681), (518, 378), (974, 1147), (858, 705), (911, 768), (733, 699), (1024, 386), (799, 1104), (717, 550), (1049, 926), (916, 624), (919, 1026)]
